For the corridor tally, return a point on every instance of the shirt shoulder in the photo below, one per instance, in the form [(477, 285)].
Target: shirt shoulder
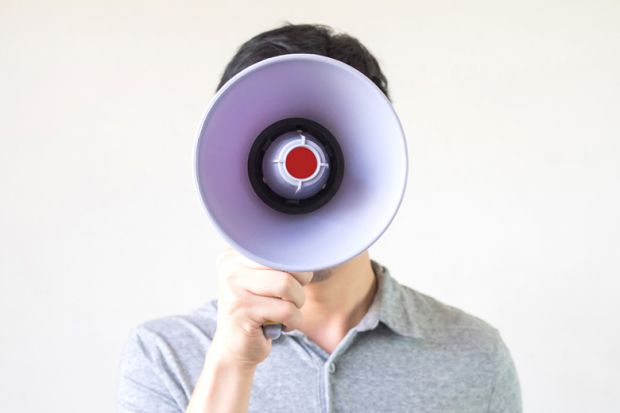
[(414, 314), (437, 319), (466, 336), (197, 324), (162, 359)]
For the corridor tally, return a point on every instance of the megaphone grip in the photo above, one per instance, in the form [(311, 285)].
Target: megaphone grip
[(272, 331)]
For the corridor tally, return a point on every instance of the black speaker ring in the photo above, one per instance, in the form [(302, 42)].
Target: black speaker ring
[(333, 153)]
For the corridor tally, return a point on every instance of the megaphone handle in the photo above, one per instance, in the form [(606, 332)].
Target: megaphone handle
[(272, 331)]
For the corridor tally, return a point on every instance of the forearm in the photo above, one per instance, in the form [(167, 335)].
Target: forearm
[(247, 299), (222, 387)]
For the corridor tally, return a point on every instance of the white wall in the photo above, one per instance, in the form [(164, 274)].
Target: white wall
[(512, 113)]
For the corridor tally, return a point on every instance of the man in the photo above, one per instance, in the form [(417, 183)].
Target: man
[(355, 340)]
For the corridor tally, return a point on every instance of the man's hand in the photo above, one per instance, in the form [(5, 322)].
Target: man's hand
[(251, 295)]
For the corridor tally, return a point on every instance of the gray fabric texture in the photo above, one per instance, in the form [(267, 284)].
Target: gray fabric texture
[(410, 353)]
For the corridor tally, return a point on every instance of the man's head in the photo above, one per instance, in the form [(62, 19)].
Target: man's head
[(306, 38), (311, 39)]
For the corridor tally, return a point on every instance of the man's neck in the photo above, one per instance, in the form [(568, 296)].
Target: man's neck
[(336, 304)]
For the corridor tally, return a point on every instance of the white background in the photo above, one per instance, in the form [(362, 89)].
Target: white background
[(512, 111)]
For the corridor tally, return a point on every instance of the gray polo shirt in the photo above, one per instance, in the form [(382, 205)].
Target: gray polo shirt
[(409, 353)]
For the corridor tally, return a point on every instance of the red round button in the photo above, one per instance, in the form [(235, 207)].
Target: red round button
[(301, 162)]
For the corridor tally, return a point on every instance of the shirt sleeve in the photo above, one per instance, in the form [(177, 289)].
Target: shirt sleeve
[(506, 393), (142, 389)]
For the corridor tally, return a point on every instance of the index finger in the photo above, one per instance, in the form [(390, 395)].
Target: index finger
[(302, 277)]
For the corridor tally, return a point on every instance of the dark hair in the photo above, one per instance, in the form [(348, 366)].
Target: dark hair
[(306, 38)]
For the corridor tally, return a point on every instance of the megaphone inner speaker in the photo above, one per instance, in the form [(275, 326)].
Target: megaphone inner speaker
[(295, 165)]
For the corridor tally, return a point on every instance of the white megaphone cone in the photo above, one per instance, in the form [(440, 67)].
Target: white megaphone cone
[(301, 162)]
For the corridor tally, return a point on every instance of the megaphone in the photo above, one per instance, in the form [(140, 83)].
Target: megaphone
[(301, 162)]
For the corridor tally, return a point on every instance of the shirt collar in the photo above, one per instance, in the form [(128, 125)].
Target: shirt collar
[(391, 306)]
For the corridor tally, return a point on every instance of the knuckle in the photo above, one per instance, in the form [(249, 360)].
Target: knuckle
[(301, 300), (284, 286), (244, 322), (233, 278), (292, 320), (236, 300), (241, 299), (289, 311)]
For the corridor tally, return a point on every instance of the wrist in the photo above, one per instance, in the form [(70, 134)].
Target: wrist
[(221, 359), (224, 385)]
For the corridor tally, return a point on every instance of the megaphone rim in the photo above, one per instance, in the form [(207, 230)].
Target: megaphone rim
[(224, 89)]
